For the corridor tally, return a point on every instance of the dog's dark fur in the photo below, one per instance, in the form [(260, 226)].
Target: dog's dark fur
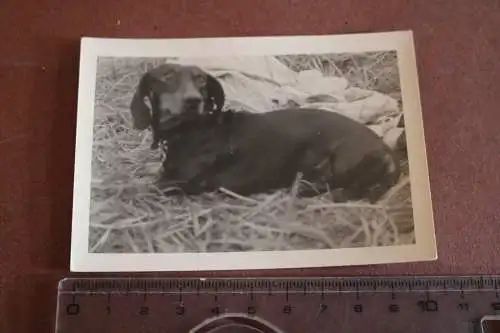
[(176, 83), (251, 153)]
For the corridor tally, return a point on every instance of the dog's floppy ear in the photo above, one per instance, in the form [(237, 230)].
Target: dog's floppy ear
[(215, 93), (141, 113)]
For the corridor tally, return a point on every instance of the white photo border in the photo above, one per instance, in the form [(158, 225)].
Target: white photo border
[(424, 249)]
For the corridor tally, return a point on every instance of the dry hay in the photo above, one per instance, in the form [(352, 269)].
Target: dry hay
[(370, 70), (129, 214)]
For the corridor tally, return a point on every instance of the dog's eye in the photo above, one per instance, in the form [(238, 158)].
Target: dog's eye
[(200, 80), (168, 77), (171, 81)]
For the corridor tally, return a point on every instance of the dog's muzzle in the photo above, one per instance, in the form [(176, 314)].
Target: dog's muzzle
[(192, 105)]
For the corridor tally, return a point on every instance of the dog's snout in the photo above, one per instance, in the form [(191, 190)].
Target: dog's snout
[(192, 105), (193, 101)]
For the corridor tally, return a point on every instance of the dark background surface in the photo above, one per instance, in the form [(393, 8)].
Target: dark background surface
[(458, 48)]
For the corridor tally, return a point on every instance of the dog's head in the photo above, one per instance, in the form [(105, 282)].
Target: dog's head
[(173, 90)]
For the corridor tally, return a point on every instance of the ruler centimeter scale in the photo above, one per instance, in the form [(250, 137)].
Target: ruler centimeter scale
[(279, 305)]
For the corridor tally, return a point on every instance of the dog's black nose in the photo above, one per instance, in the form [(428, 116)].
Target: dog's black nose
[(192, 103)]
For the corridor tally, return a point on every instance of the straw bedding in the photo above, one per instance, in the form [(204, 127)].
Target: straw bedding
[(128, 213)]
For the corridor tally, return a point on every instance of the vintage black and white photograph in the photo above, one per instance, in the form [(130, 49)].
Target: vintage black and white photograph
[(250, 153)]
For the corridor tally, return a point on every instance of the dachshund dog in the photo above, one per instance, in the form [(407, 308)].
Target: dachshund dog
[(249, 153), (172, 90), (255, 153)]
